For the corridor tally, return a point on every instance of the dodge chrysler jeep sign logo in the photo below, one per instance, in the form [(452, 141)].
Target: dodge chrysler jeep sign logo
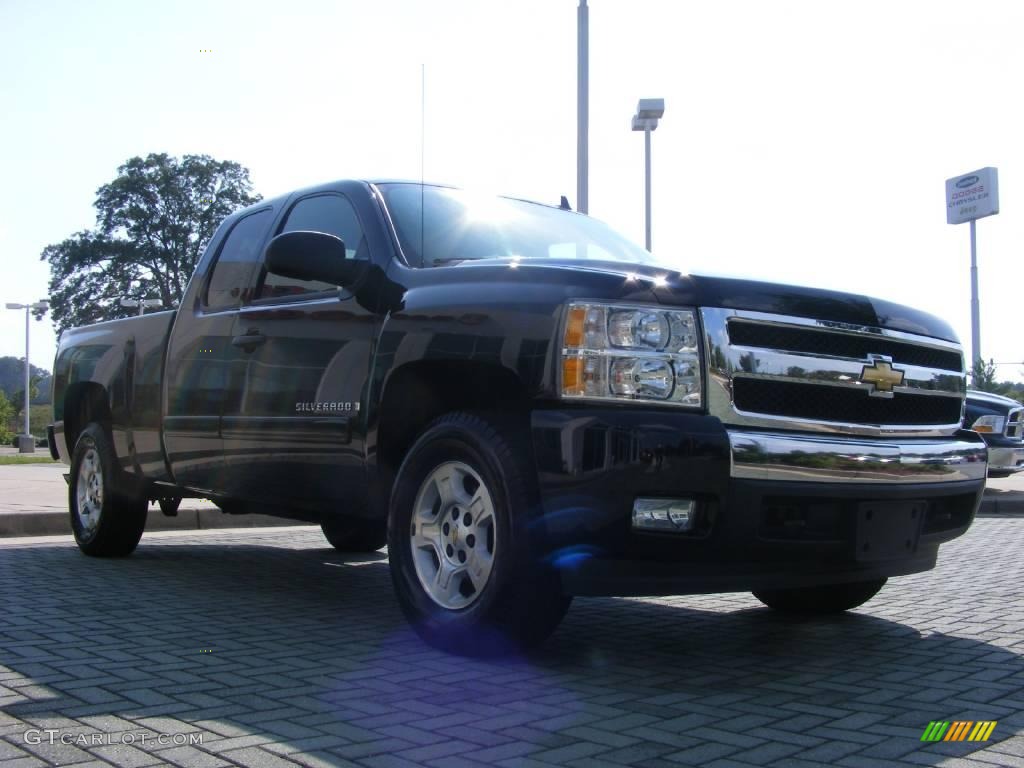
[(972, 196)]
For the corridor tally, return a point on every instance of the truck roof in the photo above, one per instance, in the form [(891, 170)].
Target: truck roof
[(337, 183)]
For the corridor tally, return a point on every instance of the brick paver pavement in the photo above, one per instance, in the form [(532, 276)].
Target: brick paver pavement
[(276, 650)]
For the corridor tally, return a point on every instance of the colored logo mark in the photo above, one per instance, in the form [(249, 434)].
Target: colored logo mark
[(959, 730)]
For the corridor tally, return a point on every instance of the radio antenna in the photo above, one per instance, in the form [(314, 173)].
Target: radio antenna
[(423, 151)]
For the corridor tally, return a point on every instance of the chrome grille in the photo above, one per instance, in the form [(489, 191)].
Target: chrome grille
[(828, 344), (812, 375), (1013, 424), (782, 398)]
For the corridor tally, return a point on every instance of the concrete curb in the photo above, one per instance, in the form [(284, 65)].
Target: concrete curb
[(53, 523)]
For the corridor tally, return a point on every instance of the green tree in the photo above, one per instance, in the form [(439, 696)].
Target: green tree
[(152, 223), (18, 398), (12, 380), (983, 376), (6, 419)]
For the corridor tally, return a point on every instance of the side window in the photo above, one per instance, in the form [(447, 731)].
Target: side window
[(235, 269), (329, 213)]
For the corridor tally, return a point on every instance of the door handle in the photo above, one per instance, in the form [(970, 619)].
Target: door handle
[(249, 341)]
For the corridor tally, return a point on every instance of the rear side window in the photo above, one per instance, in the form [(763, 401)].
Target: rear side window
[(328, 213), (235, 269)]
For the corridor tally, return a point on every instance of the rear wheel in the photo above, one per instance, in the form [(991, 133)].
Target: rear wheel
[(465, 574), (106, 517), (830, 598)]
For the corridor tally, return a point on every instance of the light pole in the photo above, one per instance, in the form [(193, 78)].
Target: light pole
[(582, 105), (25, 442), (969, 197), (142, 304), (975, 302), (648, 112)]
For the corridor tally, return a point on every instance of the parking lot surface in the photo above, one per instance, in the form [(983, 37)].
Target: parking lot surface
[(273, 649)]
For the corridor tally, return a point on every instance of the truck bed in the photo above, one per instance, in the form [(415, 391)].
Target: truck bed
[(126, 357)]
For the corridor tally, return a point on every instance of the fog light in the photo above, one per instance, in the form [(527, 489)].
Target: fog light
[(663, 514)]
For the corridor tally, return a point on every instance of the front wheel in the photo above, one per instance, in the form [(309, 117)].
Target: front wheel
[(830, 598), (106, 518), (355, 534), (461, 562)]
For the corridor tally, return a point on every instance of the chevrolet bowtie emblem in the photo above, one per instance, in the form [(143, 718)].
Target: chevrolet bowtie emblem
[(883, 376)]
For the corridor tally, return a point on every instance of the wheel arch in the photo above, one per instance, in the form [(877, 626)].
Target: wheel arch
[(85, 402), (417, 393)]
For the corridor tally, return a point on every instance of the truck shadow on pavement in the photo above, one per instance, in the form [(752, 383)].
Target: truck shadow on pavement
[(279, 646)]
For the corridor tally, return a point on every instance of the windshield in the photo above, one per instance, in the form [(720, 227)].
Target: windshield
[(439, 225)]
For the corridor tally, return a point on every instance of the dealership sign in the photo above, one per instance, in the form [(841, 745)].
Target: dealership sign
[(972, 196)]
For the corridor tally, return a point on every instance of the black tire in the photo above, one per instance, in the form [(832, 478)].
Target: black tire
[(169, 507), (520, 603), (352, 534), (231, 506), (121, 513), (830, 598)]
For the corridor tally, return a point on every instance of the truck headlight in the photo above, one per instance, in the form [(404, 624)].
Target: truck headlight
[(637, 353), (989, 424)]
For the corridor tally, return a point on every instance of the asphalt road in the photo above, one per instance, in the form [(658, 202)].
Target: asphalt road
[(272, 649)]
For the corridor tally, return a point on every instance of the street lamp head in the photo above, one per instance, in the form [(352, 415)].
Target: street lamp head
[(142, 304), (126, 302), (644, 124), (650, 109), (11, 305)]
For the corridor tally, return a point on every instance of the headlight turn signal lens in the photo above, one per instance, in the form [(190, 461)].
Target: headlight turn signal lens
[(574, 327), (991, 423), (572, 376), (636, 353)]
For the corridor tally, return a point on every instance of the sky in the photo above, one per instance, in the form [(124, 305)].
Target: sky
[(802, 142)]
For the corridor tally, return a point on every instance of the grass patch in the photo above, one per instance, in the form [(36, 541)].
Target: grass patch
[(27, 458)]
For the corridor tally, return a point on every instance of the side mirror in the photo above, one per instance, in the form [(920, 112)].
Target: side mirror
[(315, 256)]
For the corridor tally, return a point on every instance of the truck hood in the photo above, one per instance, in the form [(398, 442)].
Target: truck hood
[(675, 288), (990, 398)]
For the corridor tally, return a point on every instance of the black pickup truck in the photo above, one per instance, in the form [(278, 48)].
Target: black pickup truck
[(1000, 422), (524, 406)]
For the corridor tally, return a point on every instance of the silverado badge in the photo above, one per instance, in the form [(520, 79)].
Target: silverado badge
[(882, 375)]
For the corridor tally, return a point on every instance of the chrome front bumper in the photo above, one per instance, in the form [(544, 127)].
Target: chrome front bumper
[(818, 459), (1006, 459)]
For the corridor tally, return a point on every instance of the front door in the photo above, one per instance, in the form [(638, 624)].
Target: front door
[(302, 351), (198, 371)]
